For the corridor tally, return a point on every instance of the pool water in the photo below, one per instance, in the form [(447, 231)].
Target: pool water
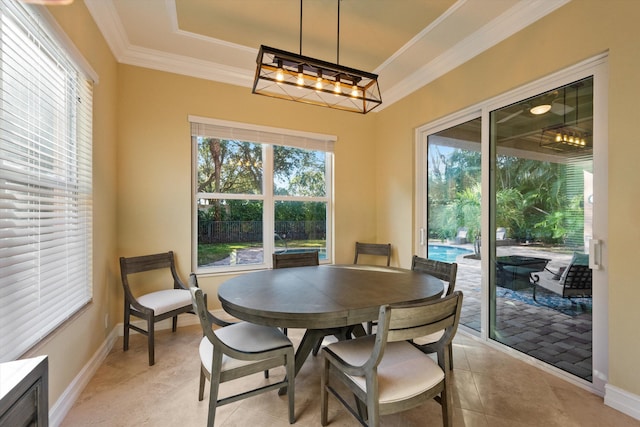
[(446, 253)]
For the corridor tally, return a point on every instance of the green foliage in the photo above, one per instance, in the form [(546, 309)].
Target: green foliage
[(533, 200)]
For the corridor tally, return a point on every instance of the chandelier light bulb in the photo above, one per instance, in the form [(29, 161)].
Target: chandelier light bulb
[(280, 71), (354, 91), (300, 80)]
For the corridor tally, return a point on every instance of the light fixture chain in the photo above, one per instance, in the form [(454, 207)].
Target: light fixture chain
[(338, 37), (300, 27)]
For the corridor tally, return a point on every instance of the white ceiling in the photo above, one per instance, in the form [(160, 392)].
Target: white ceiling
[(408, 43)]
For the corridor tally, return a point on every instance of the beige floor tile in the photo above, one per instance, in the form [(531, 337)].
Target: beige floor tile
[(490, 389)]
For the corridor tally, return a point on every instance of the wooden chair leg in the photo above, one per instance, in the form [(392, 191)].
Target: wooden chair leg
[(214, 387), (291, 387), (125, 341), (202, 382), (150, 335), (174, 325), (324, 394), (447, 408)]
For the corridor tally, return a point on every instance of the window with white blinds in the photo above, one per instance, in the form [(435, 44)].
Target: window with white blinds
[(45, 181)]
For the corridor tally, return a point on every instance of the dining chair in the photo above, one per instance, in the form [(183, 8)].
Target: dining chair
[(375, 249), (386, 372), (152, 306), (238, 350), (295, 259), (306, 259), (444, 271)]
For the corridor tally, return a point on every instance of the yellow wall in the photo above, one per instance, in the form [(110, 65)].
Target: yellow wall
[(142, 194), (154, 160), (72, 346), (575, 32)]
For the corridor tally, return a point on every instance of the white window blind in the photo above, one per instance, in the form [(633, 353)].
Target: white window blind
[(202, 126), (45, 182)]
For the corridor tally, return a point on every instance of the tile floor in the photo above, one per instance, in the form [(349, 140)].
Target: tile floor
[(491, 389)]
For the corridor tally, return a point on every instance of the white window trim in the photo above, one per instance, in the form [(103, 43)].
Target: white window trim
[(268, 137)]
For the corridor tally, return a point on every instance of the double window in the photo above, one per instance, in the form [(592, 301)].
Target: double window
[(45, 181), (257, 191)]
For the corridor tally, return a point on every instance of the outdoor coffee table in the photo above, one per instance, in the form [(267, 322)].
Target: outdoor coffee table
[(322, 299), (511, 268)]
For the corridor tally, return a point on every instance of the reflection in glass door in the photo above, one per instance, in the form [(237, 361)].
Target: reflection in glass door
[(541, 185)]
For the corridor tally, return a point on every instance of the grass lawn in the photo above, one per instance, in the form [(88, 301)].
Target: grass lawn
[(210, 253)]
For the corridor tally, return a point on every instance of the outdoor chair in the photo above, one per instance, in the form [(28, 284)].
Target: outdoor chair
[(156, 305), (238, 350), (573, 281), (385, 372), (443, 271), (461, 236), (375, 249)]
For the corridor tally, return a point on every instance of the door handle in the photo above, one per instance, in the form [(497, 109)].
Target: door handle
[(595, 254)]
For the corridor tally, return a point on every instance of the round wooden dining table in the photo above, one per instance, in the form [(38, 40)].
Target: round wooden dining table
[(323, 300)]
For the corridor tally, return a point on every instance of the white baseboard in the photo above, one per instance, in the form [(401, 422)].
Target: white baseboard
[(622, 400), (59, 410)]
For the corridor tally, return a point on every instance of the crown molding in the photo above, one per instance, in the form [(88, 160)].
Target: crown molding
[(179, 64), (522, 14), (499, 29)]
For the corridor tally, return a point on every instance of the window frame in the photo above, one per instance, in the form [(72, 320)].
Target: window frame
[(268, 138)]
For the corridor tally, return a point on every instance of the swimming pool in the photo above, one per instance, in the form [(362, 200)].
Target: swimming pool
[(446, 253)]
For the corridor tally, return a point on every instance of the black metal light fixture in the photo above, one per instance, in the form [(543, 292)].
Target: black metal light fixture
[(286, 75)]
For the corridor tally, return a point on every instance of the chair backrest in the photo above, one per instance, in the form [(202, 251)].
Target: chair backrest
[(442, 270), (401, 322), (501, 233), (298, 259), (211, 319), (200, 308), (145, 263), (378, 249), (462, 232), (577, 280)]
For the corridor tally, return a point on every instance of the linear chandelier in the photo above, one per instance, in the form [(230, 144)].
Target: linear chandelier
[(286, 75), (565, 136)]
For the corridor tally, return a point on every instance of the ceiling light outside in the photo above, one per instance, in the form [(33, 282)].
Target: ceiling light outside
[(540, 109)]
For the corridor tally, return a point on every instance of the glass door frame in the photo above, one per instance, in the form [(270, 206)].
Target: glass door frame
[(598, 68)]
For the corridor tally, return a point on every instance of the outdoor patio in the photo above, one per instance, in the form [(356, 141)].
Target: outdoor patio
[(558, 333)]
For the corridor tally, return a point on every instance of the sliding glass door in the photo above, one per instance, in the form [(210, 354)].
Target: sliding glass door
[(541, 185), (514, 192)]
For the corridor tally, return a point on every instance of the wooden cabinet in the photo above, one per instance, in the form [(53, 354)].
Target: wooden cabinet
[(24, 399)]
